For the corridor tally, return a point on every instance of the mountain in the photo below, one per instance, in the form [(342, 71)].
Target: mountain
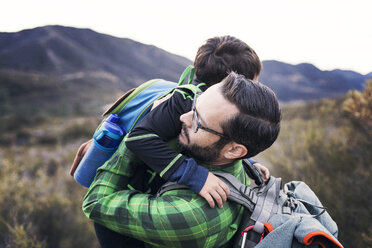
[(76, 68), (306, 82), (76, 53), (369, 75), (64, 70)]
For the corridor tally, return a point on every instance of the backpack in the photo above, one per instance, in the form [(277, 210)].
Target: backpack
[(270, 211), (137, 102)]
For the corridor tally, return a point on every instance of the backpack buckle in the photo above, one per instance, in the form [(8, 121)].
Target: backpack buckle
[(290, 203)]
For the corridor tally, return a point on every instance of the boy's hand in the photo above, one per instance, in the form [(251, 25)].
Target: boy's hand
[(265, 171), (214, 188)]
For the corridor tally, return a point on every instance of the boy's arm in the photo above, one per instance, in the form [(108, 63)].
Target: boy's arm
[(147, 139), (264, 170), (212, 189)]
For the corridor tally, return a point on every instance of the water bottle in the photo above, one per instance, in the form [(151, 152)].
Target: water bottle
[(105, 142)]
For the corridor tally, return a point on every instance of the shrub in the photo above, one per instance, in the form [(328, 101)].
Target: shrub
[(332, 154), (40, 208), (358, 106)]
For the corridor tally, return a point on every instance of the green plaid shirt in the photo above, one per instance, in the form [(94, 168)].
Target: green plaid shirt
[(178, 218)]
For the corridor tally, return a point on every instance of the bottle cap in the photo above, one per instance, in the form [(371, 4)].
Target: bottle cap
[(111, 128), (113, 118)]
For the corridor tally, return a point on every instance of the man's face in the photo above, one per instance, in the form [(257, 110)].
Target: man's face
[(212, 109)]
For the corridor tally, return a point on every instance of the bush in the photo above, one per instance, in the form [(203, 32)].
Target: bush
[(40, 208), (79, 130), (22, 236), (332, 153), (358, 106)]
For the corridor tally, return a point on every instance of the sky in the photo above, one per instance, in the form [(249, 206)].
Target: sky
[(331, 34)]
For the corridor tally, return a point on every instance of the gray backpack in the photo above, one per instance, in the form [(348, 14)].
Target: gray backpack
[(265, 201)]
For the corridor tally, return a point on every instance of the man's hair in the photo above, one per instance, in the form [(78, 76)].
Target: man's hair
[(221, 55), (257, 124)]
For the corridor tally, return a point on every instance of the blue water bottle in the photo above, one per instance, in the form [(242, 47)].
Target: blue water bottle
[(105, 142)]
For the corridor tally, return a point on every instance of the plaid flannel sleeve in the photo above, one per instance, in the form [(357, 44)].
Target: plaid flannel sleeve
[(179, 218)]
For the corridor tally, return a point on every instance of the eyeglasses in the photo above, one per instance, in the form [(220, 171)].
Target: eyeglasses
[(196, 122)]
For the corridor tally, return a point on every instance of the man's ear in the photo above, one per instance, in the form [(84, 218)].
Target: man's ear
[(234, 151)]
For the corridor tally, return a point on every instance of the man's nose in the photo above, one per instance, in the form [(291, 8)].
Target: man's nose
[(187, 118)]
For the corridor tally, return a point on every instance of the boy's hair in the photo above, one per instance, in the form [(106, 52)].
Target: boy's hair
[(257, 124), (221, 55)]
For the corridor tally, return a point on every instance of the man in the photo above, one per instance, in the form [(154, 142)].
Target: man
[(247, 117), (213, 61)]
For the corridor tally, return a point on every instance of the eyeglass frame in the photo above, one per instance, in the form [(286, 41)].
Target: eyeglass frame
[(198, 124)]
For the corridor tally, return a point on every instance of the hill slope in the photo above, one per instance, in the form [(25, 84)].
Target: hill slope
[(306, 82)]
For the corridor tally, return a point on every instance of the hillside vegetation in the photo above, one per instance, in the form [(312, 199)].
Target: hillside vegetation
[(32, 94), (327, 144), (40, 203)]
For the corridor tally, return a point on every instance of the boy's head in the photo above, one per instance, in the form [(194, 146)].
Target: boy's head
[(221, 55)]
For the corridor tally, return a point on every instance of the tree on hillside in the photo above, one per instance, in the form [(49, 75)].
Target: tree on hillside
[(358, 105)]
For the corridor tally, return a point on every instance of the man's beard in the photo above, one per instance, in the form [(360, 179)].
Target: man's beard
[(204, 155)]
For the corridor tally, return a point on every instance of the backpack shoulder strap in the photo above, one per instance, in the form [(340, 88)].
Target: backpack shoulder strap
[(131, 94), (261, 203), (132, 106), (168, 186), (188, 71), (134, 93), (237, 190), (185, 84)]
